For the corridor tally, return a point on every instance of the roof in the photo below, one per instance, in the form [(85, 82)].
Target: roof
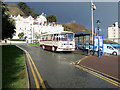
[(57, 32), (83, 33)]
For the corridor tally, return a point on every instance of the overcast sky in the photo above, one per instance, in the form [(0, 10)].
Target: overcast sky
[(107, 12)]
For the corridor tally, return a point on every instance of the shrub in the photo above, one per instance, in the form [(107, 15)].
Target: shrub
[(17, 39)]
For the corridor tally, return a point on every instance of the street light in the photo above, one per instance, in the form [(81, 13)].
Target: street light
[(98, 22)]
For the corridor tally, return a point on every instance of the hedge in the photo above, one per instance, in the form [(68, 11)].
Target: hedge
[(17, 39)]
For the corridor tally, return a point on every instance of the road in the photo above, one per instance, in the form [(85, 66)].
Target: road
[(56, 71)]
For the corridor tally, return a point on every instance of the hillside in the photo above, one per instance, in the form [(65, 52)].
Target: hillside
[(14, 10), (74, 27)]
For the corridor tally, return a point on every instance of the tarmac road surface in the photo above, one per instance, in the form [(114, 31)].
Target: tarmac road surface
[(56, 71)]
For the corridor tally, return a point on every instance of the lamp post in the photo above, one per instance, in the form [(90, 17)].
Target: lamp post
[(98, 22)]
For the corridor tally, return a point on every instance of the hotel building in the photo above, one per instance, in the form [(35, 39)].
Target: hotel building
[(114, 33)]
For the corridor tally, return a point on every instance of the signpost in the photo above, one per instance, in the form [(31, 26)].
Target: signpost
[(98, 44)]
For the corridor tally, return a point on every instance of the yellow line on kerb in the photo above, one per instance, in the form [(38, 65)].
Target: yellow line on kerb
[(40, 78), (81, 59), (35, 78), (99, 76)]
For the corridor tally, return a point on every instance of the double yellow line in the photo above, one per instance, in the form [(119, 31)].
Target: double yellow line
[(81, 59), (32, 65), (99, 76)]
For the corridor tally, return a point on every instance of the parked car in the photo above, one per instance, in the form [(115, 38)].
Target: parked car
[(108, 49)]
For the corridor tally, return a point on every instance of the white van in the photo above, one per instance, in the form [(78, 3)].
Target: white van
[(109, 49)]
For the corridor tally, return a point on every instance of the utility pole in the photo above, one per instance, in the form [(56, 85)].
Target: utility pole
[(92, 20), (98, 22)]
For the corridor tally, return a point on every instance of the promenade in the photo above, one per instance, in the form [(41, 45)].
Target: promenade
[(105, 64)]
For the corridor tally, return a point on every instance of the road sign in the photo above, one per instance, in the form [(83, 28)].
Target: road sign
[(95, 42)]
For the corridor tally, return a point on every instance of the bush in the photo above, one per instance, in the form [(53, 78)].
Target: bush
[(17, 39)]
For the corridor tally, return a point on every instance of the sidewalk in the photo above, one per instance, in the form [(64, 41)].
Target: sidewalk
[(105, 64)]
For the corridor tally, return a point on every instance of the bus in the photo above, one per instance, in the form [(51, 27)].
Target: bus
[(58, 41)]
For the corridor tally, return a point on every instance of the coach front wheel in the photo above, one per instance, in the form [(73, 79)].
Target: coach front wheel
[(53, 49), (43, 47)]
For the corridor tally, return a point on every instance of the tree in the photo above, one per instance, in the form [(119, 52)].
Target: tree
[(8, 24), (35, 15), (27, 10), (52, 18), (20, 35), (37, 36)]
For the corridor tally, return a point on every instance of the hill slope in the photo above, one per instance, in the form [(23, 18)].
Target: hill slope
[(14, 10), (72, 26)]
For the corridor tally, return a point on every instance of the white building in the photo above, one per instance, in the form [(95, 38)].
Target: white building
[(23, 25), (32, 27), (114, 33)]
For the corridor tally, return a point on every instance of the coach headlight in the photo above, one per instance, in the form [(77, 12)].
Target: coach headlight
[(61, 45), (73, 39), (73, 45)]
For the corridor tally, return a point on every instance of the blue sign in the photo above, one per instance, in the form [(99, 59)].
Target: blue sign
[(95, 42)]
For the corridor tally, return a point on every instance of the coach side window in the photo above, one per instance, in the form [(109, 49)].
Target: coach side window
[(51, 36), (46, 37), (54, 37), (43, 38), (57, 37)]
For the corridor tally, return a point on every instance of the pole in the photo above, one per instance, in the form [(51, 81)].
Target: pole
[(102, 47), (89, 46), (32, 33), (92, 25), (98, 43), (83, 43), (78, 42), (98, 30), (92, 19), (93, 44)]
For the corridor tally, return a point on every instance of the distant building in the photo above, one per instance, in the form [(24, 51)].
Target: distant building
[(34, 27), (114, 33)]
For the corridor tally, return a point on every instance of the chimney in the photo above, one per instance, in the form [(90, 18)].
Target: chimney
[(45, 15)]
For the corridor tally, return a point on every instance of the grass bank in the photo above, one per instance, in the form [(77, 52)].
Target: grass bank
[(34, 44), (13, 67)]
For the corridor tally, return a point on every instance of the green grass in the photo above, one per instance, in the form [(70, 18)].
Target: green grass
[(3, 43), (34, 44), (13, 67)]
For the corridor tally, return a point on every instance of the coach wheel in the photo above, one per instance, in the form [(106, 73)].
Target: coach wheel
[(43, 47), (53, 49)]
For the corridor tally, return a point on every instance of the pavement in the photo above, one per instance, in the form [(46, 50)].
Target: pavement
[(108, 65)]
